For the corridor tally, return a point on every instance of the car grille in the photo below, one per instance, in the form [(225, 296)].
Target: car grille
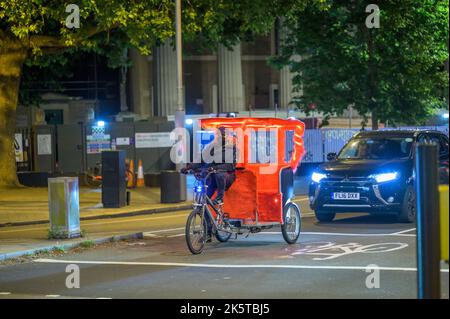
[(346, 181)]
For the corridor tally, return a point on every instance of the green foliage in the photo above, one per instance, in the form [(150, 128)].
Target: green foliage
[(108, 27), (396, 72), (87, 244)]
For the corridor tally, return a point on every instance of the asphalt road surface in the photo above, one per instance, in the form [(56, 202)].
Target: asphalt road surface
[(356, 256)]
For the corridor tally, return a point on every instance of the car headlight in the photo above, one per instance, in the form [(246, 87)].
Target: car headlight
[(384, 177), (317, 177)]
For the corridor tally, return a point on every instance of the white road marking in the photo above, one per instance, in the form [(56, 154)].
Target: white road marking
[(341, 234), (176, 235), (52, 296), (173, 264), (150, 235), (163, 230), (5, 293), (103, 298), (400, 234), (405, 231)]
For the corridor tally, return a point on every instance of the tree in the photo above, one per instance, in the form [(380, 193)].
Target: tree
[(30, 29), (392, 73)]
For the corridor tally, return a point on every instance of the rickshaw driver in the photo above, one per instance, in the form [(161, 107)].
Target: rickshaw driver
[(226, 166), (222, 180)]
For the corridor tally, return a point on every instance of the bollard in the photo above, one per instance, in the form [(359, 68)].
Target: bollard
[(428, 238), (64, 207)]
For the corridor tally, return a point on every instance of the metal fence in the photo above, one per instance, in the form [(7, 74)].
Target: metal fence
[(75, 148), (320, 142)]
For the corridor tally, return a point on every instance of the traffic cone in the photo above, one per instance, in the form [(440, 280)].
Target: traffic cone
[(131, 176), (140, 178)]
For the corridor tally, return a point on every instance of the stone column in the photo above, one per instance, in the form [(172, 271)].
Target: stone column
[(165, 79), (141, 98), (286, 75), (231, 95)]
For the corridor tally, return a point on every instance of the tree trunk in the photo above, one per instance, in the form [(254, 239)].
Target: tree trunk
[(12, 57), (374, 120)]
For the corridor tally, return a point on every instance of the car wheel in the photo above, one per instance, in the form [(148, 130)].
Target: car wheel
[(324, 216), (408, 210)]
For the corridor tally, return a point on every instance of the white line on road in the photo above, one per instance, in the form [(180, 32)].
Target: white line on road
[(341, 234), (177, 235), (52, 296), (163, 230), (405, 231), (173, 264), (5, 293)]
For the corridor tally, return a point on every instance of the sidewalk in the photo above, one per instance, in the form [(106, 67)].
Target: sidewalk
[(28, 206)]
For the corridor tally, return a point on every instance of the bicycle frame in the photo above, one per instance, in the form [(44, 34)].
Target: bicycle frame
[(201, 200)]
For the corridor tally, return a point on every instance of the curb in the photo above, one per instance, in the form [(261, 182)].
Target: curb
[(21, 253), (106, 216)]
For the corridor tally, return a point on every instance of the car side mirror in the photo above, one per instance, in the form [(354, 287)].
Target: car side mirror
[(331, 156)]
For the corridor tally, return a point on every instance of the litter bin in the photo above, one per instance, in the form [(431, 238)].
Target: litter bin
[(173, 187), (64, 207)]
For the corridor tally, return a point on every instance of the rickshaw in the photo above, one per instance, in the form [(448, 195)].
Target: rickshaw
[(269, 151)]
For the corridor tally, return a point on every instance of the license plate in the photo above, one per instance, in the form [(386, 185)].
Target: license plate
[(346, 196)]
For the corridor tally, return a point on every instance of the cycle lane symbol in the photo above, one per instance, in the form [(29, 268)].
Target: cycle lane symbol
[(331, 250)]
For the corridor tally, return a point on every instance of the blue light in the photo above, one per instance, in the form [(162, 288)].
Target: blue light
[(189, 121), (232, 114), (445, 116), (198, 189), (384, 177), (291, 118), (317, 177), (101, 123)]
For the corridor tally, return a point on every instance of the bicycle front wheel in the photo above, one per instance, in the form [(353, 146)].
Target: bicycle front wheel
[(196, 231)]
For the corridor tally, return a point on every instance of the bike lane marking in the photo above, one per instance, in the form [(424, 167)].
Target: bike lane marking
[(192, 265)]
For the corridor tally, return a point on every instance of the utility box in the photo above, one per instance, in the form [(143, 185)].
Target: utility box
[(114, 186), (64, 207), (173, 187)]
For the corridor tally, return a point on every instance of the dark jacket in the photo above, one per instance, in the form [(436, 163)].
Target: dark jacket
[(224, 164)]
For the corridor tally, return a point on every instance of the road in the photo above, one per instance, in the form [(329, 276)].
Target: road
[(331, 260)]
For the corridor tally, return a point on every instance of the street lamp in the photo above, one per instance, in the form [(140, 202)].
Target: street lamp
[(179, 113)]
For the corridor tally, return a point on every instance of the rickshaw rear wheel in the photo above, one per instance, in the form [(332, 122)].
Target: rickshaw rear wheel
[(196, 231), (292, 223)]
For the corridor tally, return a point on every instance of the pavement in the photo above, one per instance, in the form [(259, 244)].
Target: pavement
[(29, 205), (331, 260)]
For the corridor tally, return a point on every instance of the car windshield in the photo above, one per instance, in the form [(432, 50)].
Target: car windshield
[(377, 148)]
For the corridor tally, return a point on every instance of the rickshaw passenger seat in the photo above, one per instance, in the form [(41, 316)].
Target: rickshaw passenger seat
[(240, 198)]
